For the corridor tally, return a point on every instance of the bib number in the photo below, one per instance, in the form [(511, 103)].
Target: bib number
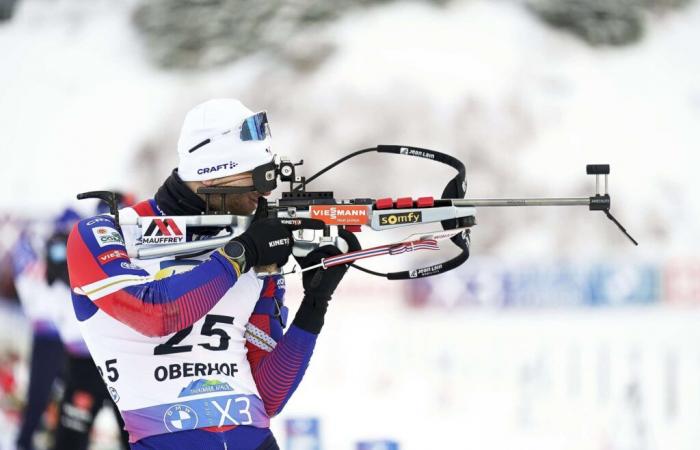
[(209, 328), (112, 372)]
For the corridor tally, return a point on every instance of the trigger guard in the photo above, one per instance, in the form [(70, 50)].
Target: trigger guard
[(341, 244), (302, 248)]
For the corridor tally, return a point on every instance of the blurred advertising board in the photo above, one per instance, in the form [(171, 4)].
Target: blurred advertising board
[(681, 282), (377, 445), (557, 284), (303, 433)]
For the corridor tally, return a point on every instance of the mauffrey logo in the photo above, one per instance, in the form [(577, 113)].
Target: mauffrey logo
[(401, 218), (164, 230)]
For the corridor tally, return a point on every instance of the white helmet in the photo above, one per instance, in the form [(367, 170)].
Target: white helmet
[(222, 137)]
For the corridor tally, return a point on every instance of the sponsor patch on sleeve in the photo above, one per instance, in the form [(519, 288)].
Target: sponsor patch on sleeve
[(111, 255), (107, 236)]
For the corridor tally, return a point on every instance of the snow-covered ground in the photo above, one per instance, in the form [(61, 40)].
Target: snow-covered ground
[(586, 380)]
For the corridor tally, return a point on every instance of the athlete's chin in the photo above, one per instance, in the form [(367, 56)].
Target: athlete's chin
[(243, 206), (252, 203), (250, 206), (247, 209)]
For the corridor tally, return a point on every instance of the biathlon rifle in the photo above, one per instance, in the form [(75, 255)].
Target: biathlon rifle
[(318, 218)]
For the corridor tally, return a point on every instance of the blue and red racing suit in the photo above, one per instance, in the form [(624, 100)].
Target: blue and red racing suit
[(183, 343)]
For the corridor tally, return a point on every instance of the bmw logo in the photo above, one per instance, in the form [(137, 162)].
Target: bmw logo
[(180, 417)]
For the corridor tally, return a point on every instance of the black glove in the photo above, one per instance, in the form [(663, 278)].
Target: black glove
[(266, 242), (319, 285)]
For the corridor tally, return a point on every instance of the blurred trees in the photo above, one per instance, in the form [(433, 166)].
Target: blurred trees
[(601, 22), (7, 7), (191, 34)]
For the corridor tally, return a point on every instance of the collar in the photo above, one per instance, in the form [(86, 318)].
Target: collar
[(175, 198)]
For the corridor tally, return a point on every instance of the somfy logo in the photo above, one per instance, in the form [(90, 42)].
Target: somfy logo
[(401, 218), (166, 230)]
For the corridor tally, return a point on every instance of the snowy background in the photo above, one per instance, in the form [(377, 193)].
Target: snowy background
[(593, 348)]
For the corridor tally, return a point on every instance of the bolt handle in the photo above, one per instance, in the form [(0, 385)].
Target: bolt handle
[(109, 197)]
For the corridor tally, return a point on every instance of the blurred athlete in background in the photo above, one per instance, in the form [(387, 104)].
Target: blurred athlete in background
[(85, 393), (42, 281), (47, 356)]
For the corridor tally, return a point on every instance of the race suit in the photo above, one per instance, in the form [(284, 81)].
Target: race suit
[(183, 343)]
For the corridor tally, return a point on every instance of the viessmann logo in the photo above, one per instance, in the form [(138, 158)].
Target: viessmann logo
[(111, 255), (165, 230), (401, 218), (340, 214)]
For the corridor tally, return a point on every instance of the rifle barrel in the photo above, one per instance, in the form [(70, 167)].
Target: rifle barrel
[(573, 201)]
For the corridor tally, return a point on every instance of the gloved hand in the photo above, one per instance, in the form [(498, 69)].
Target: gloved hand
[(266, 242), (319, 285)]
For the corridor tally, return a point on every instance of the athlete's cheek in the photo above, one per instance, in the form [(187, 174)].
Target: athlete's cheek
[(253, 198)]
